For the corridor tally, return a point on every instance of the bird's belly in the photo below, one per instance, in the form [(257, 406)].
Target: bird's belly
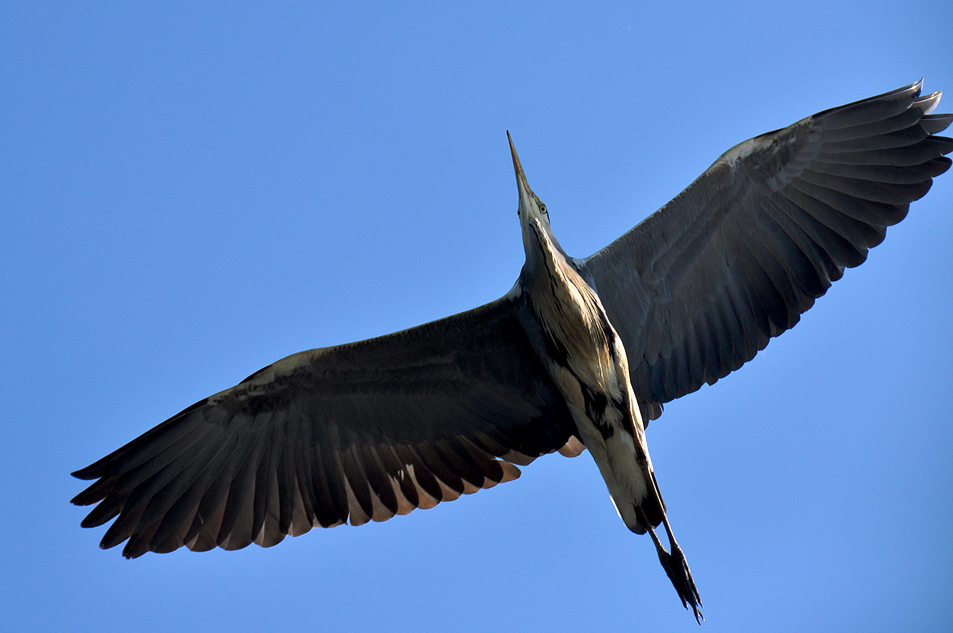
[(608, 434)]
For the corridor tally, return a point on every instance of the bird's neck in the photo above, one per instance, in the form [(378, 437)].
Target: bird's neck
[(568, 310)]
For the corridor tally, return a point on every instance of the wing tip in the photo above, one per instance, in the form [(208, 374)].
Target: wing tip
[(93, 471)]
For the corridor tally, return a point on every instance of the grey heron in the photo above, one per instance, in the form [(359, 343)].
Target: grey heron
[(579, 354)]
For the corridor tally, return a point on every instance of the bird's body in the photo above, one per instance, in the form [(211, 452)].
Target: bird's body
[(587, 362), (581, 353)]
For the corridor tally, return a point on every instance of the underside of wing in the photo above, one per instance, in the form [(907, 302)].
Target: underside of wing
[(700, 286), (351, 433)]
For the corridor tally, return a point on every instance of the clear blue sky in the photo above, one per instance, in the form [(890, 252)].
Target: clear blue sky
[(189, 194)]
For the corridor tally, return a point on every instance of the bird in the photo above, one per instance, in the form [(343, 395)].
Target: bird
[(580, 354)]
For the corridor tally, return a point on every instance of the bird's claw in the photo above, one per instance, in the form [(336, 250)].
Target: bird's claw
[(676, 568)]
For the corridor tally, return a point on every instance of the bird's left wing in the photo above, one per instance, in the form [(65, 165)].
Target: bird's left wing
[(701, 285), (354, 433)]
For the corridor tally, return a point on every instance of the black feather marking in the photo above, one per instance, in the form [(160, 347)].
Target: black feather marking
[(596, 403)]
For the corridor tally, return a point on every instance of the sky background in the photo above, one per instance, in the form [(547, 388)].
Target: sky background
[(188, 194)]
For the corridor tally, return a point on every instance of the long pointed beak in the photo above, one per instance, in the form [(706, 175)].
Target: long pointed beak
[(521, 183)]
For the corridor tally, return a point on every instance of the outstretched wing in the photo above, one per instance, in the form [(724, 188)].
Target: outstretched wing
[(356, 432), (700, 286)]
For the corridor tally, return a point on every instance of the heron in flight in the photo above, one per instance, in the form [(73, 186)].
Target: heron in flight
[(579, 354)]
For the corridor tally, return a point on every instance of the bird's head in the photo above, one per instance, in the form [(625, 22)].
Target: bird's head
[(534, 218)]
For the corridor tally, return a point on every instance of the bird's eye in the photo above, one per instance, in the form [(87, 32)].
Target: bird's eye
[(542, 209)]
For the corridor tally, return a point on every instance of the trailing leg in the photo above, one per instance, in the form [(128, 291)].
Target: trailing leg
[(675, 565)]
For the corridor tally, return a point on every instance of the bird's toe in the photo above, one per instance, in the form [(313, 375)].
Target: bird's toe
[(676, 568)]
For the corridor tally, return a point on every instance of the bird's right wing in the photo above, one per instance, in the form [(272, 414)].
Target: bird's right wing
[(349, 433), (700, 286)]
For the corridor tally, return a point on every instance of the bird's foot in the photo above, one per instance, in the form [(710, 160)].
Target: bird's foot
[(676, 568)]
